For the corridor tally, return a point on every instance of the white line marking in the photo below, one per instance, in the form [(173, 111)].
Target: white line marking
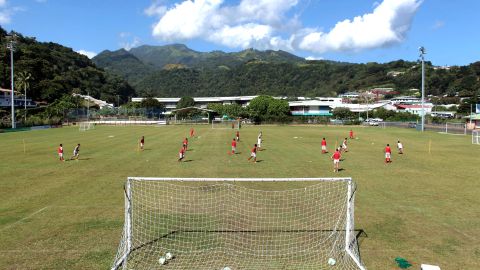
[(29, 216)]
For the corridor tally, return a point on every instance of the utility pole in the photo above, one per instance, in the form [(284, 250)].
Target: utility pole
[(422, 53), (11, 47)]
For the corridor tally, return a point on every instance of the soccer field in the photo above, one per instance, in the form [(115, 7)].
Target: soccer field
[(53, 215)]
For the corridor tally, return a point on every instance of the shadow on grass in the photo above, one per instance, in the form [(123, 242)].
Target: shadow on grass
[(188, 160)]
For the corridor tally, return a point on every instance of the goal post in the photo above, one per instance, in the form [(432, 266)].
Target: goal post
[(475, 136), (84, 126), (239, 223), (226, 124)]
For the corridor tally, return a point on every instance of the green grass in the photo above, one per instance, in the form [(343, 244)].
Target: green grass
[(53, 215)]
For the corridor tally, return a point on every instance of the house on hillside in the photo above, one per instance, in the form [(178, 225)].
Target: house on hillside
[(415, 108), (20, 100)]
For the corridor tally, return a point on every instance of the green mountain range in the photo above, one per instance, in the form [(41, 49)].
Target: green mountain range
[(176, 70)]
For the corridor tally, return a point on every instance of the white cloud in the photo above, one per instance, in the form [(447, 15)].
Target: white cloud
[(129, 44), (243, 36), (314, 58), (438, 24), (274, 24), (88, 54), (189, 19), (155, 9), (7, 11), (388, 24), (5, 17)]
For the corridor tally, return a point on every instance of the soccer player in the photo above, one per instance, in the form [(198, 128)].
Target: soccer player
[(192, 132), (253, 154), (344, 145), (324, 146), (142, 142), (60, 153), (336, 159), (400, 147), (185, 144), (259, 140), (388, 154), (351, 134), (76, 152), (181, 153), (238, 136), (234, 146)]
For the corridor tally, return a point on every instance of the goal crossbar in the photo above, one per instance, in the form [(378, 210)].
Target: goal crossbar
[(346, 179), (184, 230)]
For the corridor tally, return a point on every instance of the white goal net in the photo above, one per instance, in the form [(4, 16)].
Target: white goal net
[(476, 137), (226, 124), (213, 223), (86, 126)]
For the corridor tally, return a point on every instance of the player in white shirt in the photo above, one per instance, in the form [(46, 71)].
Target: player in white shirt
[(259, 140), (400, 147)]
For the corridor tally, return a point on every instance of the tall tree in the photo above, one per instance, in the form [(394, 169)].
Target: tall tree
[(23, 81), (185, 102)]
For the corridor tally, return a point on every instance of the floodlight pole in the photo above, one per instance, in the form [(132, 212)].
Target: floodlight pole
[(11, 47), (422, 53), (88, 106)]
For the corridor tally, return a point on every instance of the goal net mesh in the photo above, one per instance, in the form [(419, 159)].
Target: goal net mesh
[(475, 137), (239, 224), (226, 124), (86, 126)]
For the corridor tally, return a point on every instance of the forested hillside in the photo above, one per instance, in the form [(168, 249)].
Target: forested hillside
[(176, 70), (57, 70)]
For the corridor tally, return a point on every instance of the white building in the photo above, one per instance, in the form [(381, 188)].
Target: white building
[(405, 100), (319, 106), (98, 102), (201, 102)]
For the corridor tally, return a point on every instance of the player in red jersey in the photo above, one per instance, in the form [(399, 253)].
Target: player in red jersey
[(185, 144), (351, 134), (60, 153), (324, 146), (181, 153), (238, 136), (253, 154), (234, 146), (336, 160), (192, 132), (388, 154), (142, 142)]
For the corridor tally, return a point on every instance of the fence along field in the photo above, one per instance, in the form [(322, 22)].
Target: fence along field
[(54, 215)]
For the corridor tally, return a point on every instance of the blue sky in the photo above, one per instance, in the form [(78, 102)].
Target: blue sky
[(341, 30)]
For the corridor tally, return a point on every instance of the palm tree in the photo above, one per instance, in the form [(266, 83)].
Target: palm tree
[(22, 81)]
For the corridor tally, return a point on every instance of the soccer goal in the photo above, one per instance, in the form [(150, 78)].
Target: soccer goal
[(84, 126), (226, 124), (455, 129), (476, 137), (225, 223)]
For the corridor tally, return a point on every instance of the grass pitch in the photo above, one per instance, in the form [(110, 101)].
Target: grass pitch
[(53, 215)]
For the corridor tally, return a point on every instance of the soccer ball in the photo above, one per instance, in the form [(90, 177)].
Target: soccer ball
[(168, 256), (162, 260), (332, 261), (226, 268)]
